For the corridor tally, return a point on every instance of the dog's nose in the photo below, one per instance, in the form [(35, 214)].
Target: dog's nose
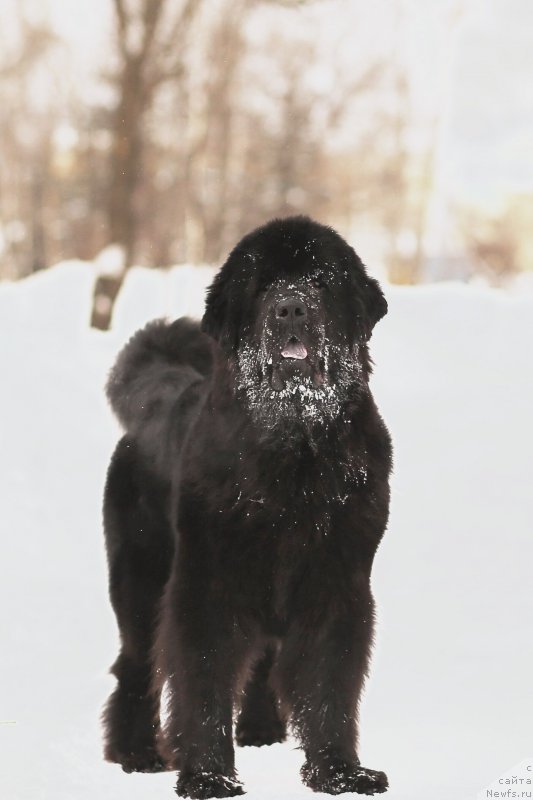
[(291, 310)]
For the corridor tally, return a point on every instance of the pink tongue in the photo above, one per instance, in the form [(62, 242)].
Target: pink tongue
[(294, 350)]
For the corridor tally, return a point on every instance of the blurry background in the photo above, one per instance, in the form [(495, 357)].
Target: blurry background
[(160, 131)]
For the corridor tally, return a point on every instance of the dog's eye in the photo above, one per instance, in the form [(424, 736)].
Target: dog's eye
[(319, 283)]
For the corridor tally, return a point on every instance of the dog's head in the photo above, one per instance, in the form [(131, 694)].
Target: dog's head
[(293, 309)]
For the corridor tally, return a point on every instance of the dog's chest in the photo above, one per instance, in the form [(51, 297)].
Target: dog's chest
[(299, 500), (286, 535), (274, 523)]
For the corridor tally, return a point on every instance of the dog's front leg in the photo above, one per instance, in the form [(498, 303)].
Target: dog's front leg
[(321, 672), (196, 653)]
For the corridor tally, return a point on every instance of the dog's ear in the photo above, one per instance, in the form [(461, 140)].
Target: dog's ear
[(217, 319), (375, 304), (370, 299), (215, 310)]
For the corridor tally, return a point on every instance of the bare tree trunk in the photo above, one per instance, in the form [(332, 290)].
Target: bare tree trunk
[(38, 239), (126, 159), (229, 46), (145, 67)]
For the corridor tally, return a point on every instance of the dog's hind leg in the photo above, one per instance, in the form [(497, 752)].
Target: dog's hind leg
[(139, 547), (259, 720)]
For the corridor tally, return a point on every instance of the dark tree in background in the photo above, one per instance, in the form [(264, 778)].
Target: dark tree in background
[(151, 53), (151, 48)]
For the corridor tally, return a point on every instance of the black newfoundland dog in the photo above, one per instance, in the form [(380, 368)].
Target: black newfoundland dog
[(242, 511)]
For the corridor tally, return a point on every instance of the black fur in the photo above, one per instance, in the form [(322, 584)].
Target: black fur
[(242, 512)]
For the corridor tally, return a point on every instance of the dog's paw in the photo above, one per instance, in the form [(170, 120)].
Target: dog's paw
[(337, 779), (207, 784), (257, 735)]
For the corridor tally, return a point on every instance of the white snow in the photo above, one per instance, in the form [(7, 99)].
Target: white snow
[(449, 704), (110, 261)]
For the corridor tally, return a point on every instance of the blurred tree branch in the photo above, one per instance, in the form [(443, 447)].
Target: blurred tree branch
[(35, 42)]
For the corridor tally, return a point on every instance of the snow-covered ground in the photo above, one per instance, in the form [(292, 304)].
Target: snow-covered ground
[(449, 705)]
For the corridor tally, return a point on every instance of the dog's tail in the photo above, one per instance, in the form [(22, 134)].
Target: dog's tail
[(158, 382)]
